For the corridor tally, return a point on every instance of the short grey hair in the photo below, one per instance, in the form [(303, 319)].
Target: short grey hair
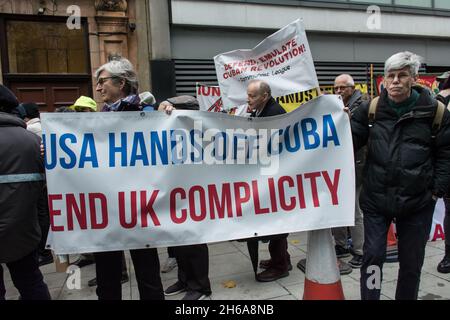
[(121, 69), (348, 79), (402, 60), (262, 85)]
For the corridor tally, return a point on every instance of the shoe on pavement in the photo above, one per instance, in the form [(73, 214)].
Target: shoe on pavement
[(344, 267), (265, 264), (356, 261), (271, 274), (169, 265), (174, 289), (93, 282), (194, 295), (125, 278), (302, 265), (444, 265), (82, 262), (341, 252), (46, 258)]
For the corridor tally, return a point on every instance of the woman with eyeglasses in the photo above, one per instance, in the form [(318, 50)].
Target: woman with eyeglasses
[(118, 85)]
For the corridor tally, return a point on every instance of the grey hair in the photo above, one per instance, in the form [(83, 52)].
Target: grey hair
[(121, 69), (348, 78), (402, 60), (262, 85)]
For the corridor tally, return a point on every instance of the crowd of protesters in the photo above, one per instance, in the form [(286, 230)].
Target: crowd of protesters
[(401, 163)]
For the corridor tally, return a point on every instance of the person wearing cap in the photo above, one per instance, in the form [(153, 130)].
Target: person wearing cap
[(84, 104), (441, 79), (148, 101), (29, 112), (21, 184)]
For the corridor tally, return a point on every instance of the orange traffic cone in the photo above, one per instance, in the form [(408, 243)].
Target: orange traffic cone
[(391, 249), (323, 281), (391, 239)]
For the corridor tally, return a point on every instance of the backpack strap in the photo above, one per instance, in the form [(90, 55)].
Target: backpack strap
[(372, 111), (437, 121)]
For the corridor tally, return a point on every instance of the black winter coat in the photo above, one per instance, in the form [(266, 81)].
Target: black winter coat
[(405, 166), (272, 108), (353, 104), (19, 154)]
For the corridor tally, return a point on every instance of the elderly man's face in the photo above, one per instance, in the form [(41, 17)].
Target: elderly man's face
[(255, 99), (109, 90), (398, 84), (342, 88)]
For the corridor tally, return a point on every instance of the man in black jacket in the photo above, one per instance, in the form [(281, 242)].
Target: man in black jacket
[(444, 264), (406, 171), (262, 104), (344, 85), (21, 184)]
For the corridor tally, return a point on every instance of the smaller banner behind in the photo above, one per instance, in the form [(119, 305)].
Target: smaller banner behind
[(283, 60), (209, 98)]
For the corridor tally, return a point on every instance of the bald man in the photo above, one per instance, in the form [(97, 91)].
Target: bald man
[(262, 104), (344, 85), (260, 100)]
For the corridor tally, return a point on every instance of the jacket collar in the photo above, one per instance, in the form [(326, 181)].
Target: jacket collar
[(9, 120)]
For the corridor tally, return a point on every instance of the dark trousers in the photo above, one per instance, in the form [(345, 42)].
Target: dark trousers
[(27, 278), (171, 252), (193, 267), (108, 268), (413, 231), (279, 255), (44, 221)]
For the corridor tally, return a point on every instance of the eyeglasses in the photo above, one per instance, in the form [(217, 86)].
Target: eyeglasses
[(101, 81), (341, 87)]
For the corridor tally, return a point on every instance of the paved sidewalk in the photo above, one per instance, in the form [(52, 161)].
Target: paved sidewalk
[(229, 261)]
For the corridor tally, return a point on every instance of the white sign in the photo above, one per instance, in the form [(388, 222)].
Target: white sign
[(129, 180), (209, 98), (283, 60), (437, 226)]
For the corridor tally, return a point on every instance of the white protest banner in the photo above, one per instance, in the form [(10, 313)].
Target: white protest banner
[(129, 180), (209, 98), (437, 226), (283, 60)]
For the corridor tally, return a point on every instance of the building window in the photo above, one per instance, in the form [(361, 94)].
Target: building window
[(414, 3), (442, 4), (52, 48), (388, 2)]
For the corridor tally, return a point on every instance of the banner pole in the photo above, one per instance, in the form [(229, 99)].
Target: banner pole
[(371, 81)]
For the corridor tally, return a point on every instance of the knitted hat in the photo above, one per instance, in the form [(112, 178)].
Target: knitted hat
[(85, 102), (31, 110), (8, 100), (147, 98)]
